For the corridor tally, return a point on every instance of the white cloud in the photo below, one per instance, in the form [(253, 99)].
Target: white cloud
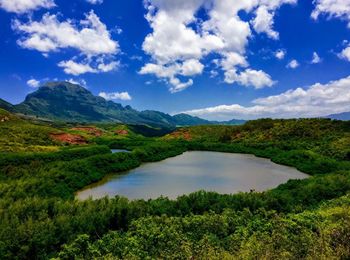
[(115, 96), (80, 82), (332, 9), (280, 54), (187, 68), (178, 86), (345, 54), (25, 6), (191, 67), (293, 64), (75, 68), (314, 101), (178, 35), (213, 74), (92, 38), (316, 58), (95, 2), (89, 37), (256, 78), (33, 83), (107, 67), (263, 22)]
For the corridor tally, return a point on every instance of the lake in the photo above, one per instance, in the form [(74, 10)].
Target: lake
[(119, 151), (224, 173)]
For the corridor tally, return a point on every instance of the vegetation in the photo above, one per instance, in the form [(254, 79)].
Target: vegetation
[(301, 219)]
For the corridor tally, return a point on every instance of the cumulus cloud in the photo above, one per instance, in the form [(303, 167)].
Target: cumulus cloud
[(95, 2), (345, 54), (293, 64), (115, 96), (33, 83), (89, 37), (107, 67), (280, 54), (179, 36), (263, 22), (25, 6), (74, 68), (256, 78), (92, 38), (187, 68), (314, 101), (316, 58), (80, 82), (332, 9)]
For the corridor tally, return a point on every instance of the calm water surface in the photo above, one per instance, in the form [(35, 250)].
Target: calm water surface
[(193, 171), (119, 151)]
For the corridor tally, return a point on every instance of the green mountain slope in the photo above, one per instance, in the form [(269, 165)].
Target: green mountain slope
[(6, 105), (187, 120), (342, 116), (69, 102), (63, 101)]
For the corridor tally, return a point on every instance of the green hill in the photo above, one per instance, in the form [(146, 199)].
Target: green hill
[(342, 116), (6, 105), (63, 101)]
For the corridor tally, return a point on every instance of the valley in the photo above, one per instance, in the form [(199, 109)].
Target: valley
[(41, 173)]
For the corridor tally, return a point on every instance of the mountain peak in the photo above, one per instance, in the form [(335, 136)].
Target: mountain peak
[(64, 101), (63, 86)]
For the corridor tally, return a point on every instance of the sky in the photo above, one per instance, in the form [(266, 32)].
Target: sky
[(216, 59)]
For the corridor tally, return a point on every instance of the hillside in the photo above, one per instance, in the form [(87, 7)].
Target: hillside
[(327, 137), (63, 101), (187, 120), (6, 105), (342, 116)]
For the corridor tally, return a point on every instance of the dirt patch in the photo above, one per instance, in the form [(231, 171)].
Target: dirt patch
[(69, 138), (4, 119), (181, 134), (122, 132), (90, 130)]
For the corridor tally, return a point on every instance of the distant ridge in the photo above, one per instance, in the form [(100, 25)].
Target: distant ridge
[(342, 116), (64, 101), (6, 105)]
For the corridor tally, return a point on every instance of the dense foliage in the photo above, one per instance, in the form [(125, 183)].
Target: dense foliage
[(39, 217)]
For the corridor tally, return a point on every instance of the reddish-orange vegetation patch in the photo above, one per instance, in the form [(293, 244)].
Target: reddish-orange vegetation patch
[(90, 130), (122, 132), (69, 138), (181, 134)]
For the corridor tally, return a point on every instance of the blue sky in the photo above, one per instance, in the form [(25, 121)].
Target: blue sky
[(217, 59)]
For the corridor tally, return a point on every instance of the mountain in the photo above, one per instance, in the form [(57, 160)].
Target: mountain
[(6, 105), (63, 101), (342, 116), (233, 122), (187, 120)]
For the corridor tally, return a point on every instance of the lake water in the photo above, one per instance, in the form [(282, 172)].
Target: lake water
[(224, 173), (119, 151)]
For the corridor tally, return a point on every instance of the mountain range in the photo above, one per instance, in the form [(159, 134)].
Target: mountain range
[(64, 101), (342, 116)]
